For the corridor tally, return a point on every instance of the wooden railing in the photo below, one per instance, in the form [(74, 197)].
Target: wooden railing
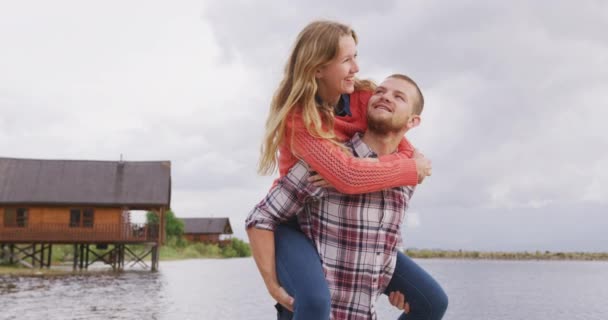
[(48, 232)]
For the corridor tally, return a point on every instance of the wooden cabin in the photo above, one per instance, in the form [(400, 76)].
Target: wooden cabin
[(81, 202), (207, 230)]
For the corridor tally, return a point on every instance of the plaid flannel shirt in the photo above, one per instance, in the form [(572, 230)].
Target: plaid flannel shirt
[(356, 236)]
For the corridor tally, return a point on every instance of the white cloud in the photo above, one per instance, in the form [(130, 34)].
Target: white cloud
[(514, 119), (412, 219)]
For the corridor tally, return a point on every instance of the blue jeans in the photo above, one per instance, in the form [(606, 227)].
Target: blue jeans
[(301, 275), (426, 297)]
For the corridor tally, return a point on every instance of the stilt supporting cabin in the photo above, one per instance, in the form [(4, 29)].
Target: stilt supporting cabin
[(85, 204)]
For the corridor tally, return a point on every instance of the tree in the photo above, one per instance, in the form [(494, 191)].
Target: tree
[(174, 227), (236, 248)]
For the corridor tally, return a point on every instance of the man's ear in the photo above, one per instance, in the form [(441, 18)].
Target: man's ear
[(413, 121)]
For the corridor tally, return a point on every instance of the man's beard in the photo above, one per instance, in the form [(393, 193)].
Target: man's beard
[(384, 126)]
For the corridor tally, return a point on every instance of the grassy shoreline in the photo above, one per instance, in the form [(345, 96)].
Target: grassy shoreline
[(199, 251), (500, 255), (176, 249)]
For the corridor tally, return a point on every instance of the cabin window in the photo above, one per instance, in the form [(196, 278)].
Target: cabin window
[(81, 218), (75, 218), (15, 217), (87, 218)]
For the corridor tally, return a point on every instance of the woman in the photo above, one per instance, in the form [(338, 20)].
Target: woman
[(318, 105)]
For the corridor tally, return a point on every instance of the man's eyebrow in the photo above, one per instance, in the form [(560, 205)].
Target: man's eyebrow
[(401, 92), (397, 91)]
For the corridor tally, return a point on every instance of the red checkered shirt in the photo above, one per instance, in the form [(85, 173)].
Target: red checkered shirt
[(356, 236)]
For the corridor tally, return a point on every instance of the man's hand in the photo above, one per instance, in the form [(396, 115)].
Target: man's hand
[(423, 166), (281, 296), (263, 250), (397, 299)]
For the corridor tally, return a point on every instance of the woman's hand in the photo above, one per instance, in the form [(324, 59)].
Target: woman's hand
[(423, 166), (318, 181), (281, 296), (397, 299)]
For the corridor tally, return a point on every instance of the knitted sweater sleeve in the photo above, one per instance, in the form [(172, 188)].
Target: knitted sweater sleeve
[(351, 175)]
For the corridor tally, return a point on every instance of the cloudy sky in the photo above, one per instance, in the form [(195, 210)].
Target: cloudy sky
[(516, 102)]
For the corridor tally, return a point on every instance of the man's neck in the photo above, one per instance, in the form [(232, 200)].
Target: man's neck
[(383, 144)]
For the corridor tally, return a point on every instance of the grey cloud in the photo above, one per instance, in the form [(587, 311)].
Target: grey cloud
[(514, 121), (554, 228), (508, 72), (262, 31)]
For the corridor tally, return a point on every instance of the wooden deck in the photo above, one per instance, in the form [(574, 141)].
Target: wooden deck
[(62, 233)]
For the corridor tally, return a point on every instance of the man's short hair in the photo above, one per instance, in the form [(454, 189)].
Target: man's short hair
[(419, 105)]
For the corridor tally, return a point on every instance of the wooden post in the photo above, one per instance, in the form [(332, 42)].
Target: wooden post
[(41, 255), (121, 256), (162, 238), (86, 265), (48, 262), (75, 257), (33, 255), (81, 266), (112, 257), (162, 225), (12, 248), (155, 257)]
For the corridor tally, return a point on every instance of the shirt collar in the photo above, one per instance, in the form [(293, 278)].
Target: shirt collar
[(341, 109), (360, 149)]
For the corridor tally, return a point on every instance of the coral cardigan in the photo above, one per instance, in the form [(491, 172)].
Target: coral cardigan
[(346, 173)]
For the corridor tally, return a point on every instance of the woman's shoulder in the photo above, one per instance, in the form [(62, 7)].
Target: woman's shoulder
[(294, 119), (361, 94)]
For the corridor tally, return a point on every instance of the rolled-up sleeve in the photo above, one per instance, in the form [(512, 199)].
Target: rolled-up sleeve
[(283, 201)]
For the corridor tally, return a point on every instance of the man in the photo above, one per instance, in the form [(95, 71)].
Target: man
[(357, 236)]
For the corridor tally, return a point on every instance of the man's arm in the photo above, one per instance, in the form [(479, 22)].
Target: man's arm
[(283, 202), (263, 251)]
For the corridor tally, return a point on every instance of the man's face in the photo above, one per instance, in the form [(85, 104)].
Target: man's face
[(390, 109)]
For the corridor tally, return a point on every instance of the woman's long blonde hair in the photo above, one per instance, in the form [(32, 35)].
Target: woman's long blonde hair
[(316, 45)]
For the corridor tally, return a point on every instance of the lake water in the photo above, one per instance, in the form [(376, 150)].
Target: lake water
[(232, 289)]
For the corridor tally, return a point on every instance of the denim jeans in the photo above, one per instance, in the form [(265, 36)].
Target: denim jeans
[(301, 275), (426, 297)]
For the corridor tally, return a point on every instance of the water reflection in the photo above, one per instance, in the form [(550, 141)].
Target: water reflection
[(232, 289), (93, 295)]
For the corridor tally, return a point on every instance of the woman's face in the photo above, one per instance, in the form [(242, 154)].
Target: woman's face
[(338, 76)]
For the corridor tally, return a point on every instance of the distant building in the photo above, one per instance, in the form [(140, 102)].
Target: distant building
[(207, 230), (80, 202)]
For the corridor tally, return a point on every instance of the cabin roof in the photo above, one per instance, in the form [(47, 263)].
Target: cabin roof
[(132, 184), (207, 225)]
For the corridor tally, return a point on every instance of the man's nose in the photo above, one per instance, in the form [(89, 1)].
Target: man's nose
[(385, 96)]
